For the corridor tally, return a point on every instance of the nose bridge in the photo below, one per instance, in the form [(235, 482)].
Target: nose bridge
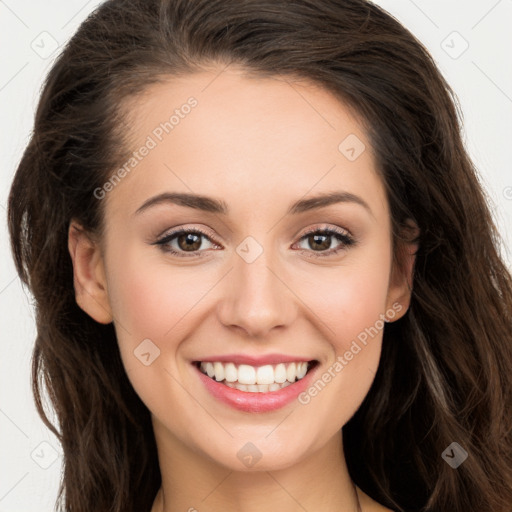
[(257, 299)]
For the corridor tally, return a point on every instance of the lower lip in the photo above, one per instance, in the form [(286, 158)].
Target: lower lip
[(256, 402)]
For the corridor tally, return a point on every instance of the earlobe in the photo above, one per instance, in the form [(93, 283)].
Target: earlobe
[(89, 274), (402, 275)]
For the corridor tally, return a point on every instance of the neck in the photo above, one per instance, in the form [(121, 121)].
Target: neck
[(193, 482)]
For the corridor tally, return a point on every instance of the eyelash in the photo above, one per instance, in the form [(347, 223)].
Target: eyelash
[(341, 235)]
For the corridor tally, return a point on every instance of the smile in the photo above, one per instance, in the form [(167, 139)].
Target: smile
[(255, 379)]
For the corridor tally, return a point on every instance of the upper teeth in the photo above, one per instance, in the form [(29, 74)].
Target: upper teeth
[(246, 374)]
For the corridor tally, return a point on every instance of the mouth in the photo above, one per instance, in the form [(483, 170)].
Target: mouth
[(267, 378)]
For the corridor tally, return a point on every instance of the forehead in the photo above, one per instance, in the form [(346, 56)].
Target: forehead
[(228, 99), (226, 134)]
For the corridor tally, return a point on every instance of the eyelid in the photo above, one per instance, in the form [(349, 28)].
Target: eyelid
[(322, 228), (179, 229)]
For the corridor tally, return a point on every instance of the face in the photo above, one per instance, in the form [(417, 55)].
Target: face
[(266, 277)]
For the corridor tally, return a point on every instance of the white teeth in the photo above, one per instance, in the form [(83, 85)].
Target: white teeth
[(246, 374), (230, 372), (255, 379), (301, 370), (265, 374), (280, 373), (291, 372), (257, 388), (219, 371), (209, 370)]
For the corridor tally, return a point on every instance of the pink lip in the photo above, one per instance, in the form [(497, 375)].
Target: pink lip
[(255, 360), (256, 402)]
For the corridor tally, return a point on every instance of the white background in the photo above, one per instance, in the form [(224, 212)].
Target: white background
[(481, 77)]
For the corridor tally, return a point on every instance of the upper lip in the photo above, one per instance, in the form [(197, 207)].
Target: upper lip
[(255, 360)]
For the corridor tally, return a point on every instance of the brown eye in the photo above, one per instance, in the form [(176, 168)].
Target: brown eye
[(184, 241), (320, 241), (189, 241)]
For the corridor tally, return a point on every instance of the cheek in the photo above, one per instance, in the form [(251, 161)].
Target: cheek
[(149, 309), (155, 307), (151, 299), (350, 300), (351, 303)]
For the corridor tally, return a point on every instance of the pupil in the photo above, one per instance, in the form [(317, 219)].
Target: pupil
[(190, 240), (319, 244)]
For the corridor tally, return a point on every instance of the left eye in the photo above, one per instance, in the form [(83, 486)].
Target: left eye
[(190, 241), (187, 240)]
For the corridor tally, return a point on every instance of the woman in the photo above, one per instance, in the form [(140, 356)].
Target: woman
[(266, 276)]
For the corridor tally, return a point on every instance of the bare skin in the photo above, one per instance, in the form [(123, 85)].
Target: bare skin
[(259, 145)]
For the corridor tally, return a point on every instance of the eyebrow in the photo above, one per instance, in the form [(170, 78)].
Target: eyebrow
[(212, 205)]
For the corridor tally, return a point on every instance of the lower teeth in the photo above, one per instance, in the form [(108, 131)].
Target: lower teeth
[(257, 388)]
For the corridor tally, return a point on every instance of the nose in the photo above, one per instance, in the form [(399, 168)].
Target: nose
[(257, 297)]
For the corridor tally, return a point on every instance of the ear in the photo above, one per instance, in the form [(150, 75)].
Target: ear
[(89, 274), (402, 273)]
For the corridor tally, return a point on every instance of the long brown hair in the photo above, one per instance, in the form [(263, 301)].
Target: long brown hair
[(445, 366)]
